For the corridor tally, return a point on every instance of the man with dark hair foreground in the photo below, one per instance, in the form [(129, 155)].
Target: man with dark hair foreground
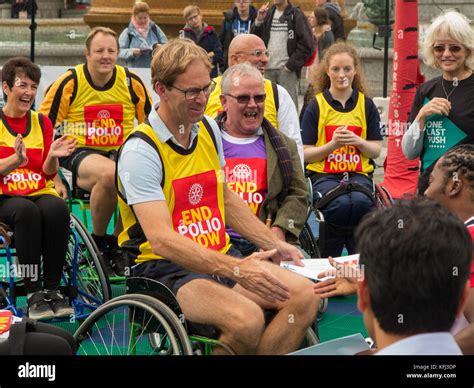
[(415, 260)]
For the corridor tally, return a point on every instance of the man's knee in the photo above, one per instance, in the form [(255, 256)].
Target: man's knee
[(101, 172), (107, 177), (104, 176), (302, 298), (245, 325)]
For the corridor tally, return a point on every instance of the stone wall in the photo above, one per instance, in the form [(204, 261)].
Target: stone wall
[(49, 9), (47, 56)]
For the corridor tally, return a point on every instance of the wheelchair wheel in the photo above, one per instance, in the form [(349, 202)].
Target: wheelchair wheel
[(89, 284), (308, 242), (383, 198), (160, 339), (122, 326), (323, 306), (310, 337)]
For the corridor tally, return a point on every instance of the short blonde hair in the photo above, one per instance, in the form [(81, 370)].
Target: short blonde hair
[(190, 9), (103, 30), (173, 58), (139, 7), (450, 25)]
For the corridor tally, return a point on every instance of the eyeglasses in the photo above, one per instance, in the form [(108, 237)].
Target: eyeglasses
[(256, 53), (244, 99), (441, 48), (193, 93)]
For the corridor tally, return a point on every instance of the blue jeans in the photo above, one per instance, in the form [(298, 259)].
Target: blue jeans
[(342, 213)]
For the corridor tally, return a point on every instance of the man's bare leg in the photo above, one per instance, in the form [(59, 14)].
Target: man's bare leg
[(96, 174), (287, 329), (240, 320)]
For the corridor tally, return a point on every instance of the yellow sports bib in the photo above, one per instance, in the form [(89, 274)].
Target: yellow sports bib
[(347, 158), (28, 179), (101, 119), (194, 193)]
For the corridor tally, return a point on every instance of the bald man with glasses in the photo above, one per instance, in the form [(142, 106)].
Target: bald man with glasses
[(280, 109)]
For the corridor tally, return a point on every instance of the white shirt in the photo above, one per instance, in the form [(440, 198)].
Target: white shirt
[(288, 120), (412, 141), (439, 343)]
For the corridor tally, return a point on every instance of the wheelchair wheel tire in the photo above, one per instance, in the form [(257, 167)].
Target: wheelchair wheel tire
[(384, 199), (122, 326), (310, 338), (308, 242), (93, 285), (159, 340)]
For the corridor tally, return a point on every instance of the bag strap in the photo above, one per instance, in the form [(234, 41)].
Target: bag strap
[(343, 188), (17, 337)]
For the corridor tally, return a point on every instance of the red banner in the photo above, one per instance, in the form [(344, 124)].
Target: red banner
[(401, 175)]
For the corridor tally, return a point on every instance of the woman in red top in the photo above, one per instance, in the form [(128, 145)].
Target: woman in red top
[(29, 204)]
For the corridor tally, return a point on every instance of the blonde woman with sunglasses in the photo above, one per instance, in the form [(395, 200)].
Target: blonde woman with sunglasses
[(442, 113)]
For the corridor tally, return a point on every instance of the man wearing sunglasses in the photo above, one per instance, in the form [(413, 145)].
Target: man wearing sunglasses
[(175, 204), (280, 109), (260, 160)]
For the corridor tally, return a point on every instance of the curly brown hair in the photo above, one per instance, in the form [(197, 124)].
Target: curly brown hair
[(321, 80)]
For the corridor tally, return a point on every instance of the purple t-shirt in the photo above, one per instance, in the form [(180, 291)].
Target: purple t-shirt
[(246, 170)]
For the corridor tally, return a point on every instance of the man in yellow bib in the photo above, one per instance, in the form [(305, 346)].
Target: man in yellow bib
[(175, 203), (280, 110), (97, 103)]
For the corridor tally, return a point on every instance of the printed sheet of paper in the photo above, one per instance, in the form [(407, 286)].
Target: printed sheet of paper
[(313, 267)]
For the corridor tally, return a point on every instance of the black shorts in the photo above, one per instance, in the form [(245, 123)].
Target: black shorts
[(174, 276), (73, 161)]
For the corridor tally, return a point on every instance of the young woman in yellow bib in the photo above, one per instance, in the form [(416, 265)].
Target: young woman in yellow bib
[(341, 137)]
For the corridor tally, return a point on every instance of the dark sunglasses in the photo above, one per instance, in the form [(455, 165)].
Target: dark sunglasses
[(245, 98), (440, 48)]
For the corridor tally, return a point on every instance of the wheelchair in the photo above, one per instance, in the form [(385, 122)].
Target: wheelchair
[(307, 240), (148, 321), (79, 197), (83, 279), (379, 195)]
